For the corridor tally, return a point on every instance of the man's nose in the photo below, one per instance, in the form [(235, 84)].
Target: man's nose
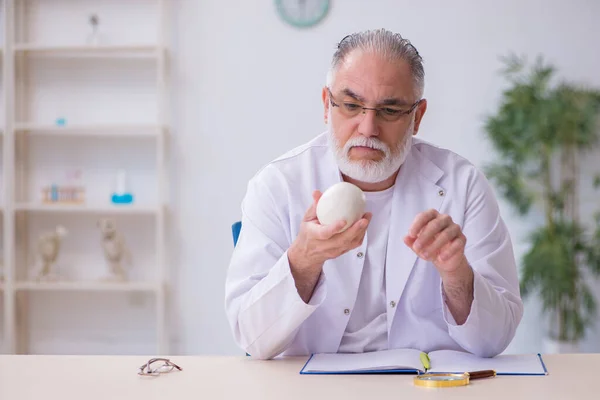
[(368, 125)]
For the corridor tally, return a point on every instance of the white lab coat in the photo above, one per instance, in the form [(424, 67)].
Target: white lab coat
[(267, 316)]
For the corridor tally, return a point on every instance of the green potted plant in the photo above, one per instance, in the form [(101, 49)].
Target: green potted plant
[(541, 130)]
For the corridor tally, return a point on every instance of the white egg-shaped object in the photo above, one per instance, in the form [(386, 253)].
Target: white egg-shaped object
[(342, 201)]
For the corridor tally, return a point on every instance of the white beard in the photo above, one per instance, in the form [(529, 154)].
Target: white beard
[(369, 171)]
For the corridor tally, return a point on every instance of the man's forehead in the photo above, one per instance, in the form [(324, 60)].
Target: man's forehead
[(373, 78)]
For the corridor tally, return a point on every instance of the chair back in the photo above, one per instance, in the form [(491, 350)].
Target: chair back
[(235, 231)]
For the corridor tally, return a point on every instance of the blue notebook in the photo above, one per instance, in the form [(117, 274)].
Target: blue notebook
[(409, 361)]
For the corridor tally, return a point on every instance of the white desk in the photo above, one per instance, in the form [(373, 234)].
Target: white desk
[(115, 377)]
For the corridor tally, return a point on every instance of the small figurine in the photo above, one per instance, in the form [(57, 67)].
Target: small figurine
[(115, 249), (93, 38), (48, 247)]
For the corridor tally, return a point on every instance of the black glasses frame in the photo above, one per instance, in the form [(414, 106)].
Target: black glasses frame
[(379, 110)]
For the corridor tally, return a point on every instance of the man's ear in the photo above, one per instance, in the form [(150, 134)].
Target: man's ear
[(419, 112), (325, 98)]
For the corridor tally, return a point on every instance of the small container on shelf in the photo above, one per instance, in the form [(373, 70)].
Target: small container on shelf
[(121, 194), (72, 191), (58, 194)]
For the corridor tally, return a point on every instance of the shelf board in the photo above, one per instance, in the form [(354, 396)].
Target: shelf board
[(92, 130), (88, 208), (91, 286), (86, 50)]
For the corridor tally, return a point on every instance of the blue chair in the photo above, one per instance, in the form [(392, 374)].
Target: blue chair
[(235, 231)]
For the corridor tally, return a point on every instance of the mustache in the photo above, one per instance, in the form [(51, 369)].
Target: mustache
[(366, 142)]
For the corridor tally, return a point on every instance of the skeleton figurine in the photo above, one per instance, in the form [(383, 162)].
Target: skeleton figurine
[(48, 247), (115, 249)]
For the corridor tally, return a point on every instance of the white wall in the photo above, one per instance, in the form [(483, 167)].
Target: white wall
[(247, 88)]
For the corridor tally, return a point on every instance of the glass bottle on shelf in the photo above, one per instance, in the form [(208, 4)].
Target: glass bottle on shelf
[(121, 193)]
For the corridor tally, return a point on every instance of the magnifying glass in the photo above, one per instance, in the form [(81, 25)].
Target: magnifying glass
[(450, 380)]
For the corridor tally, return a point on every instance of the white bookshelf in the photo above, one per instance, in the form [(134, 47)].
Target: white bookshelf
[(92, 130), (87, 50), (98, 208), (110, 99), (87, 286), (6, 296)]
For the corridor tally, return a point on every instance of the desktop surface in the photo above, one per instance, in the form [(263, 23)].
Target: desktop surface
[(66, 377)]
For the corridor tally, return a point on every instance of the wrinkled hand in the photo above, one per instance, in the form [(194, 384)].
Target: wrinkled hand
[(435, 237), (318, 243)]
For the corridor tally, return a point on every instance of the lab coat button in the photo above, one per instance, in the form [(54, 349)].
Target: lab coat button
[(360, 254), (392, 304), (347, 311), (441, 192)]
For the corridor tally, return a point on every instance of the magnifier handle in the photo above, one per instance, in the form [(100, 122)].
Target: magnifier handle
[(488, 373)]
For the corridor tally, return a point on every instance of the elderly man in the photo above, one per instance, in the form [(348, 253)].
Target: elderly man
[(429, 266)]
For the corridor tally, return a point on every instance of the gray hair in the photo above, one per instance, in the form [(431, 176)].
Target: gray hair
[(387, 44)]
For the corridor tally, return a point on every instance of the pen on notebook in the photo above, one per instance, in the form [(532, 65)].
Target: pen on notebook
[(425, 361)]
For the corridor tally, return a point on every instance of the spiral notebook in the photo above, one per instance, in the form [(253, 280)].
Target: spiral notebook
[(410, 361)]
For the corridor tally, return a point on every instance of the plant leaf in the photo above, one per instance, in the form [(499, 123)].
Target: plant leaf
[(511, 185), (552, 268)]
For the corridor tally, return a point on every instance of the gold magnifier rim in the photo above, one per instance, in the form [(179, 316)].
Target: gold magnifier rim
[(461, 380)]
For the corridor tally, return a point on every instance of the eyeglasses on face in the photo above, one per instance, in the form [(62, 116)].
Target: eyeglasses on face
[(157, 366), (388, 113)]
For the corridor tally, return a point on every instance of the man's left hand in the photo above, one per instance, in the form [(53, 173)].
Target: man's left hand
[(435, 237)]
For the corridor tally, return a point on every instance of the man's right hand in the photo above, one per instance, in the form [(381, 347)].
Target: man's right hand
[(318, 243)]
